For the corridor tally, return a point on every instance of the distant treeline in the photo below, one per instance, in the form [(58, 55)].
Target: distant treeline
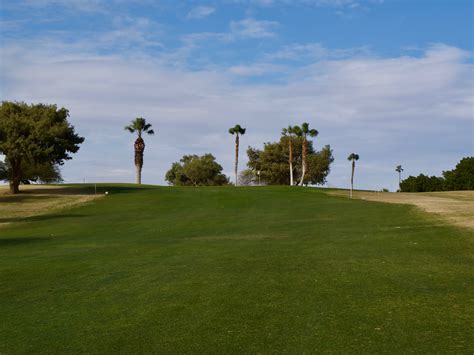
[(461, 178)]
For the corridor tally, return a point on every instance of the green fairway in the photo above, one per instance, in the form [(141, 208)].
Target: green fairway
[(236, 270)]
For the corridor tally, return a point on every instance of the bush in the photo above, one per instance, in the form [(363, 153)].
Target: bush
[(193, 170)]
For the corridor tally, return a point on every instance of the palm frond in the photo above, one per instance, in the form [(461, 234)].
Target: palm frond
[(313, 133), (130, 128), (353, 156), (237, 129), (296, 130), (139, 125), (305, 127)]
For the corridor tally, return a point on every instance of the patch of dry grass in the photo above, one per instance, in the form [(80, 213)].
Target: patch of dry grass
[(37, 200), (456, 207)]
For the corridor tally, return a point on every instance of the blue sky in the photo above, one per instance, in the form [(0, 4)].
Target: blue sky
[(391, 80)]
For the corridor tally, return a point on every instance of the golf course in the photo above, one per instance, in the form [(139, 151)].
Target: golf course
[(273, 269)]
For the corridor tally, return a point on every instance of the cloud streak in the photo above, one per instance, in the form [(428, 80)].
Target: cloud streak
[(200, 12), (252, 28)]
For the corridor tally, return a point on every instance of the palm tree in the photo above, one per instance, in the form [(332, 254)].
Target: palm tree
[(305, 132), (291, 132), (237, 130), (139, 126), (399, 170), (353, 157)]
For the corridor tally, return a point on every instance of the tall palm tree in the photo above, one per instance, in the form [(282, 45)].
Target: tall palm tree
[(291, 132), (305, 132), (139, 126), (237, 130), (399, 170), (353, 157)]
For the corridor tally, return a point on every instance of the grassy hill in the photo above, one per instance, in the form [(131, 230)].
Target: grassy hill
[(206, 270)]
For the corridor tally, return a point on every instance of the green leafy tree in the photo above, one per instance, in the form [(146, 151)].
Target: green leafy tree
[(272, 162), (248, 177), (422, 183), (353, 158), (37, 133), (194, 170), (305, 132), (319, 166), (139, 126), (290, 133), (462, 177), (237, 130)]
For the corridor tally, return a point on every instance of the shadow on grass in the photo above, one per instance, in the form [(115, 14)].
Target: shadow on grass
[(45, 217), (24, 198), (77, 189), (20, 241), (36, 193)]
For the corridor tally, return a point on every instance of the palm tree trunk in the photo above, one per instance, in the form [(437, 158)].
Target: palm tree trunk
[(352, 177), (236, 167), (291, 162), (303, 162), (139, 150), (138, 174)]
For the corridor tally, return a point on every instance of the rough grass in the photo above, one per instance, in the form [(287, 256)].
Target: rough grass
[(226, 270), (37, 200), (456, 207)]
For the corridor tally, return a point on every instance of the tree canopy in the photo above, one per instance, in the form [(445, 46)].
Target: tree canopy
[(461, 178), (194, 170), (272, 162), (38, 134)]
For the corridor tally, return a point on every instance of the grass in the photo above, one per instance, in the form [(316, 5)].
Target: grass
[(247, 270)]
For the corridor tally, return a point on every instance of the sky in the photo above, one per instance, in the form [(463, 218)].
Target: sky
[(390, 80)]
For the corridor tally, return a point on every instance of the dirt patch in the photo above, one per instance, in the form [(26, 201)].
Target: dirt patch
[(37, 200), (456, 207)]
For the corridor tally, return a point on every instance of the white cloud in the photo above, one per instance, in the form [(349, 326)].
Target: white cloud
[(80, 5), (256, 69), (247, 28), (76, 5), (398, 110), (337, 3), (319, 3), (200, 12), (315, 52), (125, 33), (252, 28)]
